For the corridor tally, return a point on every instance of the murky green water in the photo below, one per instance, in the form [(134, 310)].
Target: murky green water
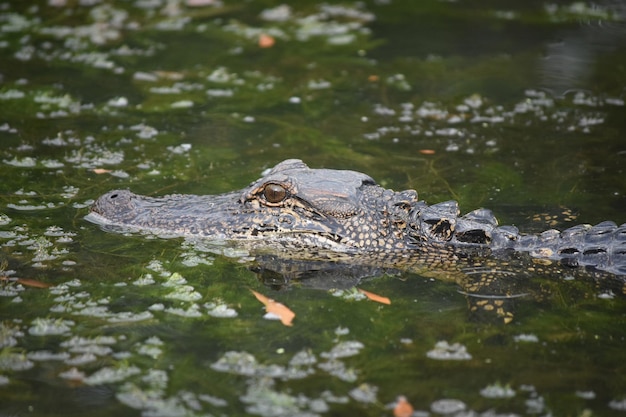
[(516, 107)]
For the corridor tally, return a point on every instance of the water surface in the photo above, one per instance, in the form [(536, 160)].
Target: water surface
[(516, 107)]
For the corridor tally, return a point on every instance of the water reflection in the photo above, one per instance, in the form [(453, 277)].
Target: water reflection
[(570, 61)]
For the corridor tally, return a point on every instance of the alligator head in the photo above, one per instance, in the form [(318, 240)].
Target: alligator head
[(291, 206)]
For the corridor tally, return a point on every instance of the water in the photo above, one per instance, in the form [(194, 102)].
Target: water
[(518, 108)]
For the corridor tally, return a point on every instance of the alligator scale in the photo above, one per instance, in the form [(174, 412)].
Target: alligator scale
[(300, 218)]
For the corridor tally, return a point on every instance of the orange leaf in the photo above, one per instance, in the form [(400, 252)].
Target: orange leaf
[(403, 408), (427, 151), (285, 315), (263, 299), (375, 297), (266, 41), (283, 312)]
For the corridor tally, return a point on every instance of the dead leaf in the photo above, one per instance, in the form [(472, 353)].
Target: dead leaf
[(427, 151), (285, 315), (33, 283), (373, 78), (101, 171), (403, 408), (266, 41), (375, 297)]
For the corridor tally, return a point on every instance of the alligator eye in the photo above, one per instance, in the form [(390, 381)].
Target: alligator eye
[(274, 193)]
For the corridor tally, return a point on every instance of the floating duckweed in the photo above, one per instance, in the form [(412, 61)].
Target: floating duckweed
[(96, 157), (586, 395), (447, 406), (77, 341), (191, 311), (52, 163), (182, 104), (184, 293), (4, 220), (218, 309), (348, 294), (174, 280), (150, 350), (81, 359), (93, 349), (9, 335), (303, 358), (150, 402), (193, 259), (497, 391), (277, 14), (239, 363), (328, 396), (126, 316), (156, 379), (219, 92), (365, 393), (26, 162), (342, 331), (11, 291), (10, 361), (144, 280), (122, 355), (60, 308), (343, 350), (119, 174), (445, 351), (80, 309), (180, 149), (529, 338), (46, 355), (56, 231), (214, 401), (318, 84), (73, 374), (49, 327), (108, 375), (11, 94), (263, 400), (619, 405), (535, 405), (7, 234), (118, 102), (338, 369), (157, 266)]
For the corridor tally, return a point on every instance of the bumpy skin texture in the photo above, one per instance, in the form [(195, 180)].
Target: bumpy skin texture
[(330, 216)]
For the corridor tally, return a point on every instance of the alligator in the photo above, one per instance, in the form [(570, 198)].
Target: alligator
[(296, 220)]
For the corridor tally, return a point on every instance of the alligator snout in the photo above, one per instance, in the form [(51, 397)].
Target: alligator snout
[(114, 201)]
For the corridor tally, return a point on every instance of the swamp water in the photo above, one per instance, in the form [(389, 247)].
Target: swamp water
[(515, 107)]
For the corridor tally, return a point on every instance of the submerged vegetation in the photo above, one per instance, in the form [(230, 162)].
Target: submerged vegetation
[(518, 107)]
